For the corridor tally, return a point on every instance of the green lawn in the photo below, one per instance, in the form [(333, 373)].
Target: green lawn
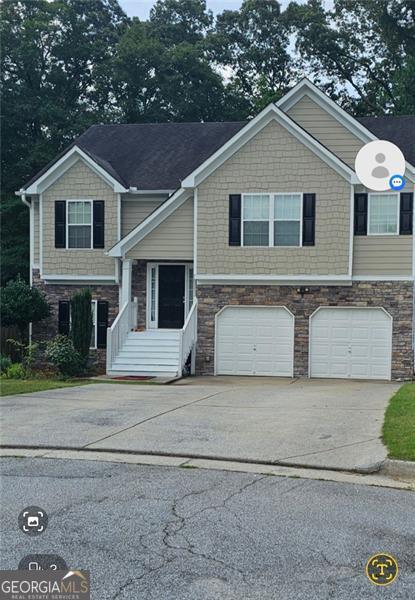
[(399, 425), (25, 386)]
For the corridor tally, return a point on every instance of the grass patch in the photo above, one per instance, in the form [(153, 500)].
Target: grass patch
[(9, 387), (399, 426)]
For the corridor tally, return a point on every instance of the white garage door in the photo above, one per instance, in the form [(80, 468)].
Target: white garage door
[(351, 342), (254, 341)]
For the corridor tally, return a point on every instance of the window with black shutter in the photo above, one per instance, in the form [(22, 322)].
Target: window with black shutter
[(309, 219), (360, 214), (64, 317), (406, 213), (235, 220), (98, 224), (60, 224), (102, 323)]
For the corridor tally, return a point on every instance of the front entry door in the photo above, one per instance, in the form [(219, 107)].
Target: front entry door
[(171, 298)]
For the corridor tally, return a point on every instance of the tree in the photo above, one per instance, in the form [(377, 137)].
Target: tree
[(253, 44), (362, 52), (81, 322), (21, 305), (162, 72), (54, 75)]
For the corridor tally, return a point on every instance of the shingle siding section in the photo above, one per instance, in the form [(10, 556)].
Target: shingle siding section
[(274, 161), (78, 183)]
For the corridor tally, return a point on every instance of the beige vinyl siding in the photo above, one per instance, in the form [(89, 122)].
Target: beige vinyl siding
[(35, 230), (326, 129), (171, 240), (382, 255), (79, 182), (274, 161), (134, 211)]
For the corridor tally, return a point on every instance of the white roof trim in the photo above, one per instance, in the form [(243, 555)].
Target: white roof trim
[(63, 164), (302, 279), (92, 279), (151, 222), (271, 112), (306, 88)]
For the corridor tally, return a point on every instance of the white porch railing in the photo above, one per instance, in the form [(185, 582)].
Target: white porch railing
[(125, 321), (188, 337)]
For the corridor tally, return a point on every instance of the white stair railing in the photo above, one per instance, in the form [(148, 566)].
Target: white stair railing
[(125, 321), (188, 336)]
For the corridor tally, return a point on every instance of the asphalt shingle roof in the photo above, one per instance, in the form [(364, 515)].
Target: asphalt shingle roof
[(158, 156)]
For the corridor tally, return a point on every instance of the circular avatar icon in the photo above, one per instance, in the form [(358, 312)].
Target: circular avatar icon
[(33, 520), (382, 569), (397, 182), (376, 162)]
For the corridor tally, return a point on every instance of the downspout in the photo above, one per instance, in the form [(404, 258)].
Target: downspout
[(22, 195)]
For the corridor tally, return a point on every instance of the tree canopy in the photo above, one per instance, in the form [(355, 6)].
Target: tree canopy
[(66, 64)]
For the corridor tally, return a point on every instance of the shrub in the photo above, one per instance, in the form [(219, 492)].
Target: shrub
[(61, 353), (16, 371), (29, 353), (5, 363), (81, 327), (21, 305)]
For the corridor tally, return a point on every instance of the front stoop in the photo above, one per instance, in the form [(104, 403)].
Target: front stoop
[(154, 353)]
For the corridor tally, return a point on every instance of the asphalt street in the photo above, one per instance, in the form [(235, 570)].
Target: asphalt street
[(170, 533)]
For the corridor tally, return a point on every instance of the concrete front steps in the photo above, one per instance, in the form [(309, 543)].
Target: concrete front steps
[(154, 353)]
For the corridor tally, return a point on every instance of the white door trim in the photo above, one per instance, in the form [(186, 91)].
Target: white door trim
[(249, 306), (348, 308), (153, 324)]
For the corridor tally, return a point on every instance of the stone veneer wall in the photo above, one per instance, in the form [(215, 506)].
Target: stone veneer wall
[(139, 290), (48, 328), (395, 297)]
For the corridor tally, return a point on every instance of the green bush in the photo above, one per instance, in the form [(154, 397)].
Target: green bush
[(16, 371), (5, 363), (21, 305), (61, 353)]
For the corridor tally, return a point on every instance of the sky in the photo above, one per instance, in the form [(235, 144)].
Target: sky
[(141, 8)]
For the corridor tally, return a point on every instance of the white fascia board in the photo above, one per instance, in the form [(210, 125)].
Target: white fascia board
[(151, 222), (63, 164), (382, 278), (307, 88), (302, 280), (93, 279), (271, 112)]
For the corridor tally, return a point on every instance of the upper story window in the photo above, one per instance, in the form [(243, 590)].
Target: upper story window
[(79, 224), (256, 219), (383, 214), (272, 219), (287, 219)]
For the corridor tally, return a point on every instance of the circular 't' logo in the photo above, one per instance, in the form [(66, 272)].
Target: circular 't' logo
[(382, 569)]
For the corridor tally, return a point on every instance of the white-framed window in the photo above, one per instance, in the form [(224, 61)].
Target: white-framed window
[(255, 219), (272, 219), (383, 214), (288, 217), (79, 224), (93, 344)]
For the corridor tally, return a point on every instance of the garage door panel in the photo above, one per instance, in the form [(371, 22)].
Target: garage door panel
[(357, 341), (254, 341)]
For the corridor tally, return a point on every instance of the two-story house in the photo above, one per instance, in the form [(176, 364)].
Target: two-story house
[(244, 248)]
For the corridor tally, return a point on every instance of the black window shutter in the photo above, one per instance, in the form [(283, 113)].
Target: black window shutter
[(60, 224), (64, 317), (309, 219), (360, 214), (406, 211), (235, 220), (102, 323), (98, 221)]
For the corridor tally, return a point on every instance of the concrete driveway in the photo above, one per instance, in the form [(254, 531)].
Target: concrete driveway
[(316, 423)]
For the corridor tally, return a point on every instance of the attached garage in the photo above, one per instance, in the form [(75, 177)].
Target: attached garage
[(254, 340), (353, 343)]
